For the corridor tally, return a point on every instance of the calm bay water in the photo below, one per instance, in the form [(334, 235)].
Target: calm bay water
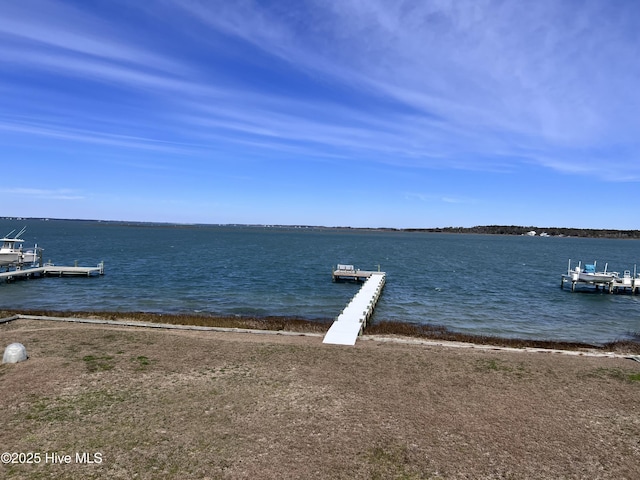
[(497, 285)]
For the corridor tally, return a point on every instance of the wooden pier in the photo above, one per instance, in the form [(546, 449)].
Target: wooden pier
[(350, 323), (51, 270)]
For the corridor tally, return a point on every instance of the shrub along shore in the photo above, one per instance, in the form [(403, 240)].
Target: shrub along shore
[(302, 325)]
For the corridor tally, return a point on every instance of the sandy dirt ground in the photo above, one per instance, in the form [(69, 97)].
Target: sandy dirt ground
[(97, 401)]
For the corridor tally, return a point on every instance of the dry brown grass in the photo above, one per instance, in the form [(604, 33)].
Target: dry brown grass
[(180, 404)]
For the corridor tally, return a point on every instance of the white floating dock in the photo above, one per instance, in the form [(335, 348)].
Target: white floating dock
[(49, 269), (350, 323), (627, 281), (349, 272)]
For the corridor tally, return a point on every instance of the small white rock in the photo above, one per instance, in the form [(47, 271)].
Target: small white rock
[(14, 353)]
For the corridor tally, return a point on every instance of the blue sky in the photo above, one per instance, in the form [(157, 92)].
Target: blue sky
[(363, 113)]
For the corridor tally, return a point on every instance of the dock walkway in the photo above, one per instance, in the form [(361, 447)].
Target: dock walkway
[(50, 270), (350, 323)]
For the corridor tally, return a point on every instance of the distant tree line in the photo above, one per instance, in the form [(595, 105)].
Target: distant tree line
[(521, 230), (482, 229)]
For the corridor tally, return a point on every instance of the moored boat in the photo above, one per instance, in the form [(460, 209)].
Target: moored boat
[(12, 252), (589, 274)]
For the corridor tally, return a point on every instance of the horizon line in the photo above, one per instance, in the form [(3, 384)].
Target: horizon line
[(336, 227)]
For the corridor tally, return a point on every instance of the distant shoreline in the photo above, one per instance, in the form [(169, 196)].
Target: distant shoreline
[(516, 230)]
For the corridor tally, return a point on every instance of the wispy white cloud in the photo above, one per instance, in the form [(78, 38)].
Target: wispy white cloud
[(438, 198), (101, 71), (54, 194), (498, 63), (478, 85), (456, 200), (52, 26), (500, 75), (95, 137)]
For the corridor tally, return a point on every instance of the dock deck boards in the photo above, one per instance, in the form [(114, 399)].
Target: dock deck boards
[(348, 272), (349, 324), (52, 270)]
